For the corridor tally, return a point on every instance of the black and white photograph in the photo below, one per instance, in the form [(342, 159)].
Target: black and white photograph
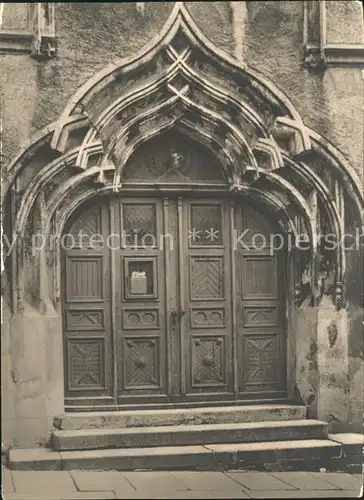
[(182, 249)]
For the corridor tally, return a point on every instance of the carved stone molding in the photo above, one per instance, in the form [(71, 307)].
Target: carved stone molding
[(182, 83), (319, 53), (39, 38), (334, 55), (42, 23), (339, 295), (16, 41)]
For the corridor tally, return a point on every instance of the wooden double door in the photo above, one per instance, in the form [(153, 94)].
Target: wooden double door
[(167, 300)]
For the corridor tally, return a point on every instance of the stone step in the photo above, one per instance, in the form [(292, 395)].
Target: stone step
[(352, 456), (209, 457), (179, 416), (179, 435)]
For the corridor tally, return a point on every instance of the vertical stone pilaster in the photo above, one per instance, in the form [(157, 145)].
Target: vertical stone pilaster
[(291, 329), (332, 363), (36, 369), (314, 32), (42, 23), (34, 345), (307, 372), (239, 14), (7, 384)]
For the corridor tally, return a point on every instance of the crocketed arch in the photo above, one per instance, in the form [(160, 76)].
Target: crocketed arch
[(181, 82)]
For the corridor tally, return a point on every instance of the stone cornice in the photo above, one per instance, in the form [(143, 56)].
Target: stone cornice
[(18, 41), (319, 52), (334, 55)]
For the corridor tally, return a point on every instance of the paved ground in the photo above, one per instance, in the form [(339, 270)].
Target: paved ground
[(67, 485)]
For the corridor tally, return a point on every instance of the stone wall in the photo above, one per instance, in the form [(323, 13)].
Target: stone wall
[(355, 273), (269, 37), (272, 42), (34, 93), (90, 35), (328, 380)]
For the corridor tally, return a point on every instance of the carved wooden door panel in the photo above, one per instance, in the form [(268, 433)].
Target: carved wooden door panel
[(260, 322), (86, 308), (170, 308), (139, 297), (206, 333)]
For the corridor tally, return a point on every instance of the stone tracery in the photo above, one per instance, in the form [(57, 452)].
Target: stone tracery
[(182, 82)]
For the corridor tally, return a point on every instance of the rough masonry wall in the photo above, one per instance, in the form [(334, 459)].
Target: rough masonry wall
[(215, 20), (90, 35), (355, 273), (327, 101)]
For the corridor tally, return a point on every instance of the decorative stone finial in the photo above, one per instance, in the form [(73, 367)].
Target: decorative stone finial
[(339, 295)]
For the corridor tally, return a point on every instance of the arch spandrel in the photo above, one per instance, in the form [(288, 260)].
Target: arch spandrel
[(181, 82)]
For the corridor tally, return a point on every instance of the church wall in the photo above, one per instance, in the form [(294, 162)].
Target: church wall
[(272, 41), (90, 35), (272, 38), (34, 93)]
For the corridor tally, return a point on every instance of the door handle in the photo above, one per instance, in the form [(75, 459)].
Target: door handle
[(176, 316)]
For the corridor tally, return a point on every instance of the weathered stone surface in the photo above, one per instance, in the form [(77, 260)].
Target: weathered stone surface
[(157, 482), (183, 457), (275, 30), (105, 481), (34, 459), (191, 434), (303, 357), (36, 375), (340, 480), (200, 494), (7, 481), (209, 457), (304, 480), (7, 383), (348, 438), (250, 453), (215, 22), (53, 485), (304, 494), (76, 495), (343, 22), (207, 481), (196, 416), (34, 94), (332, 365), (260, 481), (352, 442), (37, 481)]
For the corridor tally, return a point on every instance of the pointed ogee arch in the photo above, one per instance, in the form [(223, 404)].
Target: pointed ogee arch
[(181, 81)]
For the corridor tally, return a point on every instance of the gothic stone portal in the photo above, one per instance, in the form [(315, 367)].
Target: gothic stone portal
[(162, 304)]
